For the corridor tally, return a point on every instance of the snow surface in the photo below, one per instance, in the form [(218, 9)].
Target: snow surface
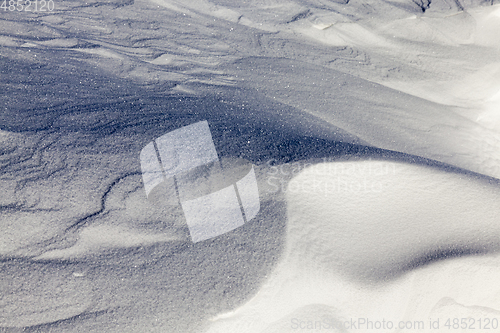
[(373, 128)]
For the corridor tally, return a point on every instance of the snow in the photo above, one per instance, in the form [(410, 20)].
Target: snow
[(346, 251), (400, 99)]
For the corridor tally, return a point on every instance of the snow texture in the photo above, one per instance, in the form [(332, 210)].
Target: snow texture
[(372, 129)]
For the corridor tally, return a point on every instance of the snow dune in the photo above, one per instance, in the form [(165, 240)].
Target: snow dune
[(87, 86), (349, 257)]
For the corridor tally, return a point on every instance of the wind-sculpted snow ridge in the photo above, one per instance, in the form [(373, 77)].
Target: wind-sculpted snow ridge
[(370, 111), (349, 260), (86, 86), (153, 42)]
